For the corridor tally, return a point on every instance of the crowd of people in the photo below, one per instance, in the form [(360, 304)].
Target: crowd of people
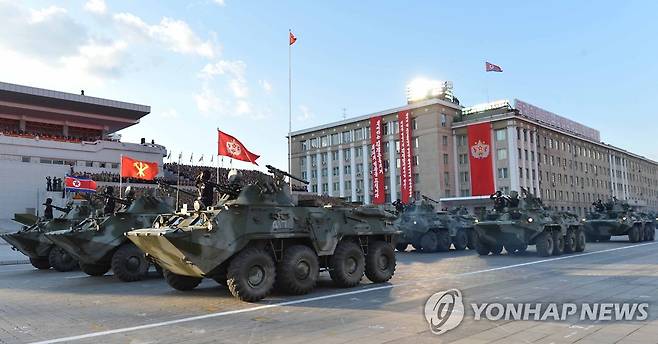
[(49, 137)]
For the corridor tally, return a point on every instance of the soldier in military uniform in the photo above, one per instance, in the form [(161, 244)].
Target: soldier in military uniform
[(109, 203), (500, 202), (205, 188)]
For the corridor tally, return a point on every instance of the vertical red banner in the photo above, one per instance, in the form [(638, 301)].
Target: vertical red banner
[(406, 173), (377, 173), (479, 143)]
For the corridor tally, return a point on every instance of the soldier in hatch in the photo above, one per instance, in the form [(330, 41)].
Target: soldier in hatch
[(500, 201), (205, 188)]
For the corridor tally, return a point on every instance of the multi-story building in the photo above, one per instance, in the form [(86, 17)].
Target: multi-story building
[(461, 155), (46, 133), (336, 157), (560, 160)]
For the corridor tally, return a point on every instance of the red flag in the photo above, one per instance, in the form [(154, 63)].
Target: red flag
[(229, 146), (79, 184), (293, 39), (132, 168), (480, 158), (490, 67)]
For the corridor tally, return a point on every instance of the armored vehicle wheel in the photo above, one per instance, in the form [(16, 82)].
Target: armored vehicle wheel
[(40, 263), (347, 265), (401, 247), (180, 282), (604, 238), (443, 240), (429, 242), (380, 262), (251, 274), (94, 269), (61, 261), (471, 238), (634, 234), (460, 240), (297, 273), (545, 244), (558, 243), (580, 240), (570, 241), (497, 249), (646, 232), (481, 248), (516, 249), (129, 263)]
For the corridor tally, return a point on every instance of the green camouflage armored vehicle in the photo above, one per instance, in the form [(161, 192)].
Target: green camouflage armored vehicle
[(257, 238), (514, 223), (32, 242), (616, 218), (428, 230), (100, 245)]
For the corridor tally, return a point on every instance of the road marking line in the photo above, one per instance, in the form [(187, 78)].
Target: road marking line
[(318, 298)]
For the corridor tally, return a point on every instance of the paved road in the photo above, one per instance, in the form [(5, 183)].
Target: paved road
[(47, 305)]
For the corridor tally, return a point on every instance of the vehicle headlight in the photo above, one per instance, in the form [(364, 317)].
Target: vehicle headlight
[(476, 221), (623, 218), (584, 220), (415, 223), (197, 205), (530, 219), (210, 226)]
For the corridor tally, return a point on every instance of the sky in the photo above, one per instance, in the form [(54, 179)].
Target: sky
[(208, 64)]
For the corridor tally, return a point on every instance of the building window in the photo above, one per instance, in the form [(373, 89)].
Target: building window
[(334, 155), (444, 120), (347, 136), (335, 171), (324, 172), (304, 145), (348, 185), (348, 169), (445, 159), (503, 173), (358, 134), (335, 139), (501, 135), (358, 152), (416, 161), (314, 142), (501, 154), (324, 141), (445, 140), (302, 162), (346, 154)]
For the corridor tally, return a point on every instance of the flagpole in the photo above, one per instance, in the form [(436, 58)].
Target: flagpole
[(120, 174), (178, 179), (289, 108)]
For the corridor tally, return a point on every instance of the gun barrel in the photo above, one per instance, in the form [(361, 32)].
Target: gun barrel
[(429, 199), (275, 170)]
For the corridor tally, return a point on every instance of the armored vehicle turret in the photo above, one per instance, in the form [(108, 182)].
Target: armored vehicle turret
[(99, 243), (32, 242), (516, 222), (615, 218), (256, 237), (428, 230)]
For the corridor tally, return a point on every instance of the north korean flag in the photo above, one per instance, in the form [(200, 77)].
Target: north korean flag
[(79, 184), (490, 67)]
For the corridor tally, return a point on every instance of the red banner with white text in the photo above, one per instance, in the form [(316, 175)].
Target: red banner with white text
[(377, 173), (479, 143), (406, 173)]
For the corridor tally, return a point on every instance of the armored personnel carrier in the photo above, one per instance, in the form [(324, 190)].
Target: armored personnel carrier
[(514, 223), (257, 238), (32, 242), (428, 230), (615, 218), (100, 245)]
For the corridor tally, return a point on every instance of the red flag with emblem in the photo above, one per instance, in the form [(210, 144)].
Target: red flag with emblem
[(229, 146), (133, 168), (293, 39)]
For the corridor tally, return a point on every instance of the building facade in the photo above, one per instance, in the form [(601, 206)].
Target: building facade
[(46, 133), (459, 155)]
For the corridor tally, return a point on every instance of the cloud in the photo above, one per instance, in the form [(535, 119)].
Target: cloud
[(96, 6), (174, 35), (100, 58), (305, 113), (267, 87), (235, 70), (207, 101), (219, 2), (45, 33), (38, 16)]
